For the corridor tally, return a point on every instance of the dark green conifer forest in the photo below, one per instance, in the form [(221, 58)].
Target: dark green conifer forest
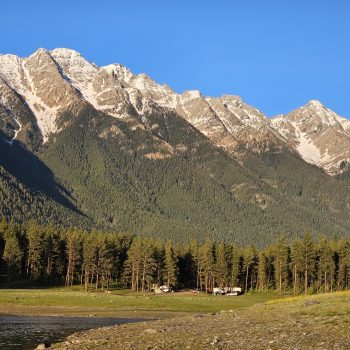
[(51, 255)]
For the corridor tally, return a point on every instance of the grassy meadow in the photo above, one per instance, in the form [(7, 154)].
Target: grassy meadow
[(60, 301), (305, 322)]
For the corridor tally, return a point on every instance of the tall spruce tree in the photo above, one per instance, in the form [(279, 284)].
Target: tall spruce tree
[(35, 267), (343, 264), (105, 262), (297, 264), (12, 252), (73, 251), (235, 265), (262, 271), (206, 259), (221, 265), (170, 265), (148, 264), (52, 253), (132, 270), (89, 258), (308, 255), (326, 264), (281, 258), (249, 261)]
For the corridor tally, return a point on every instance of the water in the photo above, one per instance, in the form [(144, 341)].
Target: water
[(26, 332)]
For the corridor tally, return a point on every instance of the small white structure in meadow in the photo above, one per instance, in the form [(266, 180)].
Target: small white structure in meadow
[(162, 289), (228, 291), (235, 291)]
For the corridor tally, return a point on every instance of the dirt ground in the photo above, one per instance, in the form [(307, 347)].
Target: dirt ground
[(313, 323)]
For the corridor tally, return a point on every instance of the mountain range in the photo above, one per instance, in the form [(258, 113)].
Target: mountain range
[(102, 147)]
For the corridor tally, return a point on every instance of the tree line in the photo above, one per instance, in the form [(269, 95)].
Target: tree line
[(105, 260)]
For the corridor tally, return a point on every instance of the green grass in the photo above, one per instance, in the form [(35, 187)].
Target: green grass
[(61, 301), (304, 322), (322, 305)]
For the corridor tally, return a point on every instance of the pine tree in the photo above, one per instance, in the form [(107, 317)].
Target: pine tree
[(147, 264), (235, 265), (326, 264), (187, 266), (133, 264), (249, 260), (297, 264), (308, 259), (12, 252), (195, 253), (170, 265), (52, 253), (89, 258), (262, 271), (206, 259), (73, 247), (343, 264), (105, 262), (159, 261), (221, 265), (281, 258), (36, 251)]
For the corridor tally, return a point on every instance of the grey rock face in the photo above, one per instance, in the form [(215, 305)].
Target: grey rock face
[(37, 91), (320, 136)]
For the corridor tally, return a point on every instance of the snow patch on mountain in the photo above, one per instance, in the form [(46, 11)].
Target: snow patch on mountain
[(16, 132), (46, 116), (51, 82), (9, 70), (190, 95), (14, 71), (78, 71), (308, 151)]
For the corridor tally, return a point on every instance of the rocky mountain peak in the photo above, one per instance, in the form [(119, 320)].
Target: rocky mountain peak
[(319, 135), (191, 95), (232, 100), (121, 72), (315, 103), (49, 84)]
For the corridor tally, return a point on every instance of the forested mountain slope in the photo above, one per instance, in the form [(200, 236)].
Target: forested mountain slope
[(102, 147), (199, 192)]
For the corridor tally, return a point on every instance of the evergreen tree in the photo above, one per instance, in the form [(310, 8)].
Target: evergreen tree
[(159, 262), (308, 255), (170, 265), (343, 264), (105, 262), (326, 264), (89, 258), (73, 251), (52, 253), (195, 253), (281, 257), (36, 251), (221, 265), (235, 265), (262, 271), (249, 261), (147, 264), (206, 259), (12, 252), (44, 252), (133, 264), (297, 264), (187, 266)]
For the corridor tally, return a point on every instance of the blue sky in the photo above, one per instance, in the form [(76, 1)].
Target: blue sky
[(276, 54)]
